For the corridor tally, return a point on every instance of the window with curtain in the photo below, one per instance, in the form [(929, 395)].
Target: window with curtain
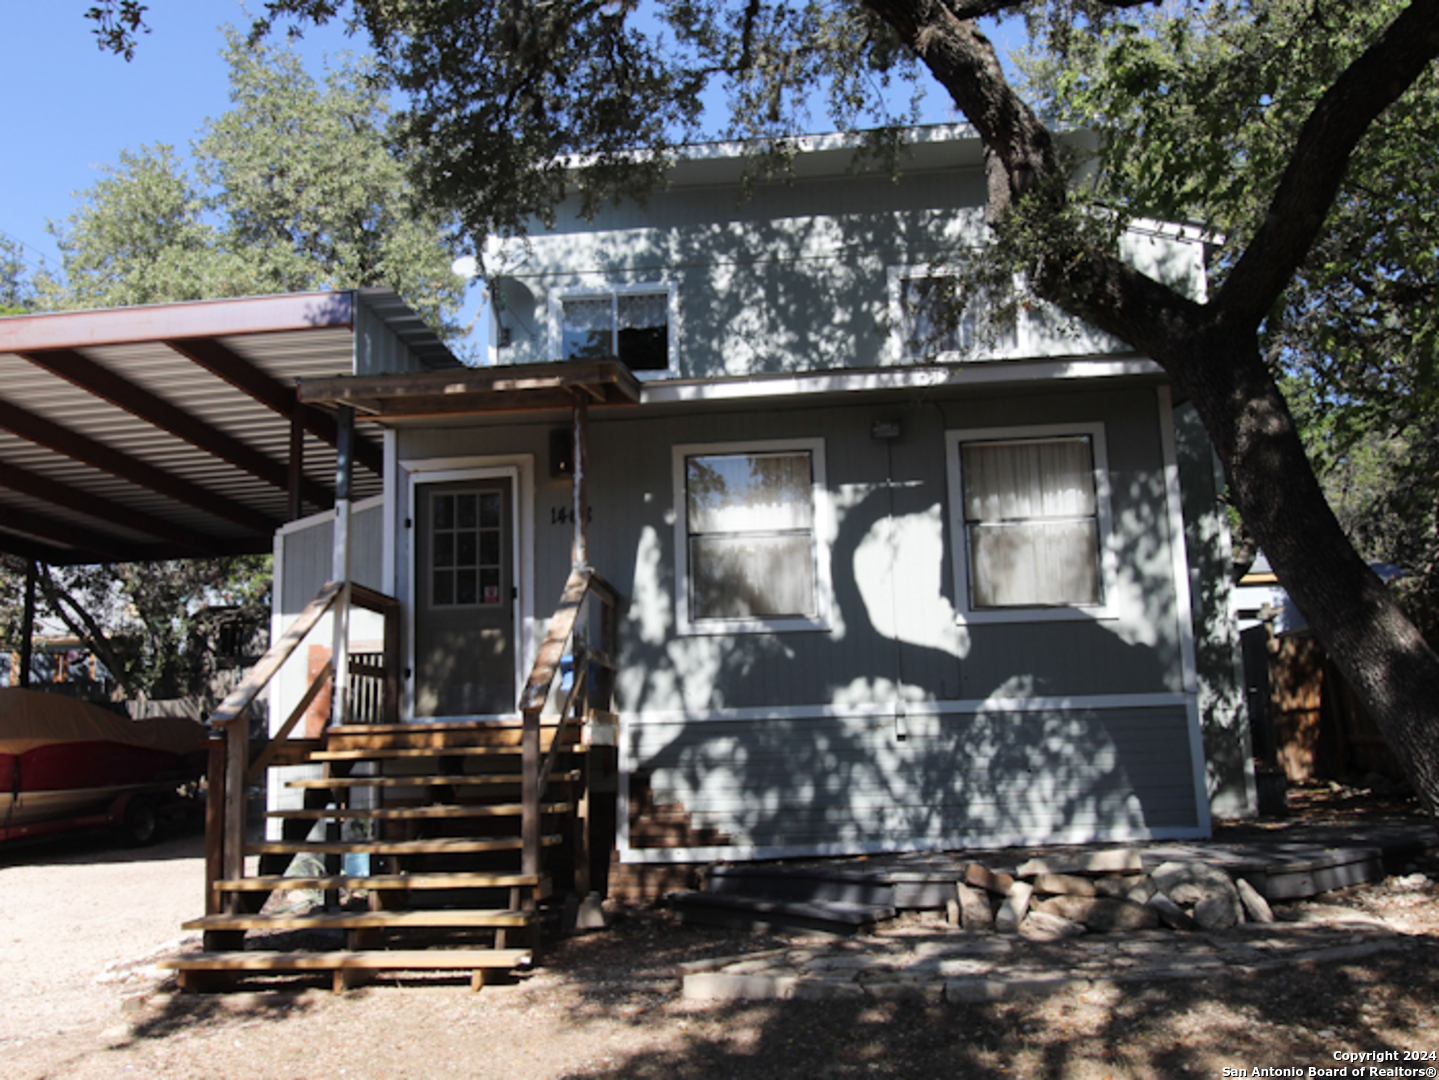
[(749, 535), (1031, 522), (630, 326)]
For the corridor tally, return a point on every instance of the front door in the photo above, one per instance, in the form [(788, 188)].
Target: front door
[(464, 599)]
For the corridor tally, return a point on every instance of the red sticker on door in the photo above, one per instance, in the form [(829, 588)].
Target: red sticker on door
[(492, 594)]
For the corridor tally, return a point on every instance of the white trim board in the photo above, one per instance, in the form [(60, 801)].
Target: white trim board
[(975, 373), (956, 706), (359, 506), (957, 841)]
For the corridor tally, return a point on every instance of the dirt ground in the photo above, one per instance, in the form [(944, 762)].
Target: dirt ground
[(81, 923)]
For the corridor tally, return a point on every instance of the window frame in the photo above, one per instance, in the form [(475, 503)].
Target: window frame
[(823, 531), (601, 290), (954, 440), (970, 348)]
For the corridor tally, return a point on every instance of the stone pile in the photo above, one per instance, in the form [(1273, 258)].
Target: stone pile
[(1061, 896)]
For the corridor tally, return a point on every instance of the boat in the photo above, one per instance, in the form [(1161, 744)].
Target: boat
[(66, 764)]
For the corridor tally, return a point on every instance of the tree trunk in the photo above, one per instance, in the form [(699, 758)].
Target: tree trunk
[(1363, 631), (1211, 350)]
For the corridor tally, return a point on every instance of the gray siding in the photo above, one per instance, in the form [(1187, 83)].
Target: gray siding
[(1052, 775), (794, 278), (309, 557), (632, 544)]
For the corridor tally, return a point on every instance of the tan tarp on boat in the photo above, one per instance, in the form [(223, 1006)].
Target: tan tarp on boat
[(29, 718)]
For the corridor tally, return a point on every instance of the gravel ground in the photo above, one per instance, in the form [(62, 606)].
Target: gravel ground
[(80, 925)]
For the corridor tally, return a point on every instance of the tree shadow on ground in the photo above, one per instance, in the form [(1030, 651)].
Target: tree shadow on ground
[(1280, 1017)]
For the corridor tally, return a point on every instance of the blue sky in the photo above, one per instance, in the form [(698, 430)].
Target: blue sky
[(71, 109)]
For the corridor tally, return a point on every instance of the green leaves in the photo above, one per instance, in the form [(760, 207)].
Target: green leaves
[(295, 188)]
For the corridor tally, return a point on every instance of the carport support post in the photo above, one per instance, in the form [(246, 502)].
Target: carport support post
[(340, 566), (27, 624)]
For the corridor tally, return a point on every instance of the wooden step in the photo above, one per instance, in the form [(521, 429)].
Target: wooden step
[(462, 780), (364, 920), (448, 845), (349, 967), (436, 735), (417, 813), (427, 727), (381, 882), (399, 753)]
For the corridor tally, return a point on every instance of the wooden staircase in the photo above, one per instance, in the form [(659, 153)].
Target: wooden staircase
[(467, 826)]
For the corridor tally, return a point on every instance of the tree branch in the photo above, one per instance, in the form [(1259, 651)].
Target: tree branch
[(1379, 77), (81, 624)]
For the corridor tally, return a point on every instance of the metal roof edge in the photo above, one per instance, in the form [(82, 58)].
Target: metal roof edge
[(195, 318)]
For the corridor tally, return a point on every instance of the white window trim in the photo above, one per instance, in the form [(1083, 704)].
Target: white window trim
[(823, 532), (898, 353), (959, 544), (605, 288)]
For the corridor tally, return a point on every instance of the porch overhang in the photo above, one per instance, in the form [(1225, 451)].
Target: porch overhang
[(508, 388)]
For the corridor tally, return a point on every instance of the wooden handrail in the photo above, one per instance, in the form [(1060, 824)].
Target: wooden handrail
[(272, 748), (547, 660), (564, 628), (240, 698)]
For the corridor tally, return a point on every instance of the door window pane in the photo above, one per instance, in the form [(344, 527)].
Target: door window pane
[(467, 549)]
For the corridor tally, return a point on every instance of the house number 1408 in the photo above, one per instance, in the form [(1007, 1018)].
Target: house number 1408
[(563, 515)]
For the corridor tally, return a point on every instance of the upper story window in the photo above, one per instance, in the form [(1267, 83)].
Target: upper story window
[(750, 548), (933, 320), (1030, 510), (633, 324)]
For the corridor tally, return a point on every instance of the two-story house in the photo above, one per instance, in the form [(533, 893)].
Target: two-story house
[(884, 587)]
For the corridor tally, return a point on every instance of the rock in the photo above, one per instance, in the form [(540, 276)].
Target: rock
[(974, 912), (1173, 916), (1066, 884), (1042, 926), (1116, 861), (1195, 885), (1217, 912), (1117, 884), (1257, 907), (1101, 913), (1014, 908), (982, 877)]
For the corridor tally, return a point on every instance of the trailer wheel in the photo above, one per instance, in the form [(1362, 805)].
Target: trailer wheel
[(141, 822)]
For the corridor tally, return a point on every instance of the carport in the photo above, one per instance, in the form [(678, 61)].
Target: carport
[(174, 430)]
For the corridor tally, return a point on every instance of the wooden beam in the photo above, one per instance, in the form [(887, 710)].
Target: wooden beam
[(225, 364), (58, 493), (27, 548), (505, 388), (273, 747), (72, 444), (99, 380), (66, 533)]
